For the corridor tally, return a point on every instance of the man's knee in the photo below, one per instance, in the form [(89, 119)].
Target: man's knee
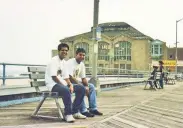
[(61, 89), (80, 88)]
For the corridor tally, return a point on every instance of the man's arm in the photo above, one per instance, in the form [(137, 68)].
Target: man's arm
[(73, 80), (69, 84), (54, 71), (83, 75), (54, 78), (85, 83)]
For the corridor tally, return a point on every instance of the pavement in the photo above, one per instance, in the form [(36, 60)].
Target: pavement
[(128, 107)]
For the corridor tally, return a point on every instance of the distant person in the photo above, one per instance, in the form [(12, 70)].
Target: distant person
[(160, 69), (75, 71), (166, 77), (153, 73), (182, 75), (56, 83)]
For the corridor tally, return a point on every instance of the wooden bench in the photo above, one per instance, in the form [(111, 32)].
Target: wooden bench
[(168, 78), (37, 76)]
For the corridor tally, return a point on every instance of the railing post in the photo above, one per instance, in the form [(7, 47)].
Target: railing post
[(4, 74), (119, 72), (137, 74)]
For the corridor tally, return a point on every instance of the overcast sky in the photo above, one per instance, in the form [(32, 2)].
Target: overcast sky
[(29, 29)]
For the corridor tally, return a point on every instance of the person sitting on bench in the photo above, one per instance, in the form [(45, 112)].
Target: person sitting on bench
[(56, 83), (75, 72), (153, 73), (161, 69)]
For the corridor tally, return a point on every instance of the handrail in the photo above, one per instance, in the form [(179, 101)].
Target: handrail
[(102, 72), (16, 64), (4, 77)]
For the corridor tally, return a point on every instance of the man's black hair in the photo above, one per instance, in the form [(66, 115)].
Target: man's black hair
[(62, 45), (80, 50), (161, 62)]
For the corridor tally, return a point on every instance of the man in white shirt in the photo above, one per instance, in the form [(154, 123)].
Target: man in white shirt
[(56, 83), (75, 69)]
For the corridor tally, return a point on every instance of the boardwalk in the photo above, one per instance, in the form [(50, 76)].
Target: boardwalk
[(130, 107)]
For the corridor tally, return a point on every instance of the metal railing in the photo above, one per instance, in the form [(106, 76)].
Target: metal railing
[(117, 72), (4, 76), (102, 72)]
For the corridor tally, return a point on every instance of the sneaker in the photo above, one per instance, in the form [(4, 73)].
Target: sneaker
[(87, 114), (79, 116), (69, 118), (96, 112)]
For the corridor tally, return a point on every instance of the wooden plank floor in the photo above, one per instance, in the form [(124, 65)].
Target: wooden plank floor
[(130, 107)]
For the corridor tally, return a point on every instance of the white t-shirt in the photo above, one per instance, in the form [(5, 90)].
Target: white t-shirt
[(74, 69), (54, 68)]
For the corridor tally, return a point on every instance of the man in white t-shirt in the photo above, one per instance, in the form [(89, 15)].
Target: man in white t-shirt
[(74, 70), (56, 83)]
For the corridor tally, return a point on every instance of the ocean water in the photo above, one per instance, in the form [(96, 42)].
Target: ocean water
[(13, 70)]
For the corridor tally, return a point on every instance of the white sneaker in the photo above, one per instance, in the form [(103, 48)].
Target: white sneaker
[(79, 116), (69, 118)]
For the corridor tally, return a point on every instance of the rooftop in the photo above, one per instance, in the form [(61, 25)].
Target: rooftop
[(111, 30)]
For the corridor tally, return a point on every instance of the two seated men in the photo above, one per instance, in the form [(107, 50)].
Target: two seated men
[(58, 79)]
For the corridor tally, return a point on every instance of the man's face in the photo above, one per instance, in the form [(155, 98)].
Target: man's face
[(63, 52), (80, 56)]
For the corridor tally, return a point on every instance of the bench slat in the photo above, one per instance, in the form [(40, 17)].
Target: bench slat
[(37, 69), (36, 76), (37, 83)]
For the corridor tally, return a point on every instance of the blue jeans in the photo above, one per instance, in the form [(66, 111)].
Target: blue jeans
[(64, 92), (161, 82), (91, 99)]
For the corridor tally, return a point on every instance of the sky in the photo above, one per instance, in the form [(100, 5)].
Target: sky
[(30, 29)]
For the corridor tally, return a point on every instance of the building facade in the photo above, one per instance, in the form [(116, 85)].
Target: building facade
[(171, 56), (121, 46)]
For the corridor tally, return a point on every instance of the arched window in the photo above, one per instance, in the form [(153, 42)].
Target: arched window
[(103, 51), (122, 51), (85, 46)]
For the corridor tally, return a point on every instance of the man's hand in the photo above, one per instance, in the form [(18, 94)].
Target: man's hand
[(73, 80), (87, 90), (71, 88)]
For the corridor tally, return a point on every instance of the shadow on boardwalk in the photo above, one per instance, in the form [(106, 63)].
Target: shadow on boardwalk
[(124, 107)]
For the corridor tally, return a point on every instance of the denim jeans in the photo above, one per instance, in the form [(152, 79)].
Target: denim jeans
[(161, 82), (91, 99), (64, 92)]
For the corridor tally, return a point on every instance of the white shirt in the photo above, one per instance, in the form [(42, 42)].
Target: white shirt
[(54, 68), (74, 69)]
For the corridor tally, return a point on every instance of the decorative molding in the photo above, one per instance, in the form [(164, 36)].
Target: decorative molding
[(106, 38), (122, 38)]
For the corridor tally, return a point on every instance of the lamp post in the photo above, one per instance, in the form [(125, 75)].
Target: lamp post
[(94, 78), (176, 59), (95, 43)]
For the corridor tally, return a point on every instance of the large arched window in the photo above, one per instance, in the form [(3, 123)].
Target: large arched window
[(122, 51), (103, 51), (85, 46)]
